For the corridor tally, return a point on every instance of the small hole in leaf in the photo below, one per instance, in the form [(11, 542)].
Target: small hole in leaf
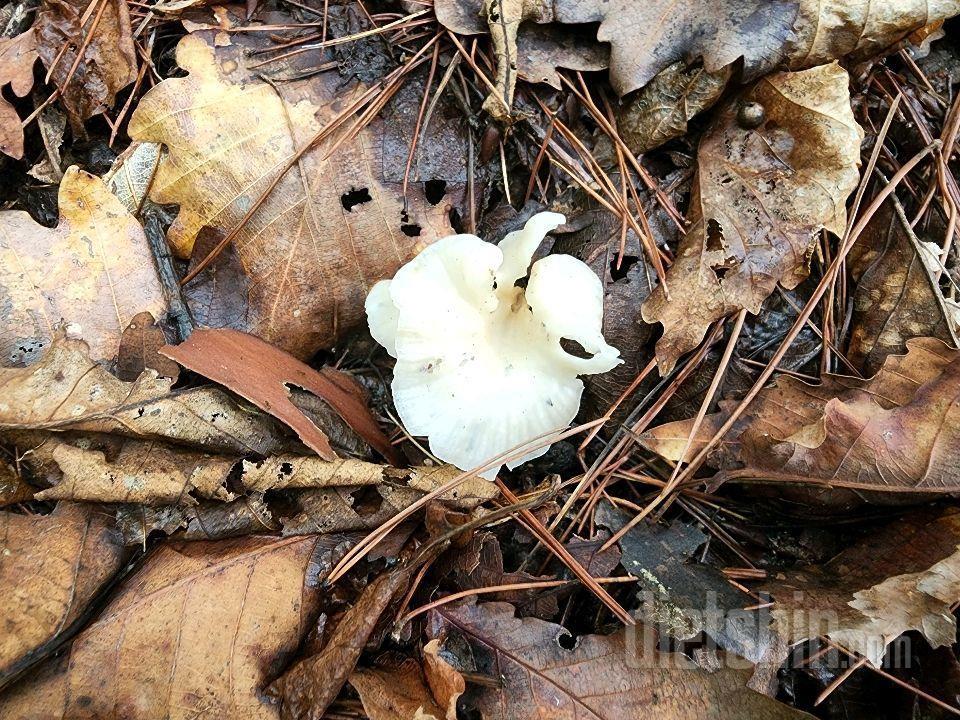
[(714, 235), (411, 229), (566, 641), (286, 469), (355, 197), (572, 347), (720, 271), (619, 273), (366, 500), (435, 190)]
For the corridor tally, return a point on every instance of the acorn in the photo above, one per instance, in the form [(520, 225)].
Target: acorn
[(750, 115)]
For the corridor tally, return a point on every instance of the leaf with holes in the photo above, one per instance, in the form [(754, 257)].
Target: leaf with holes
[(774, 169), (603, 677), (298, 271)]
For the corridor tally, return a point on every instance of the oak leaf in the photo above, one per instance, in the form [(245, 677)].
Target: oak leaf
[(396, 693), (896, 434), (604, 677), (760, 197), (109, 60), (901, 577), (195, 633), (51, 568), (17, 57), (894, 298), (300, 268), (66, 390), (94, 270)]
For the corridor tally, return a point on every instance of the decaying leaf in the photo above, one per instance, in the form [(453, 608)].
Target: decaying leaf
[(902, 577), (396, 693), (446, 683), (195, 633), (683, 598), (51, 567), (300, 268), (66, 390), (895, 433), (263, 374), (13, 489), (310, 685), (248, 515), (94, 271), (17, 57), (646, 39), (760, 197), (660, 111), (139, 345), (606, 677), (88, 85), (894, 300)]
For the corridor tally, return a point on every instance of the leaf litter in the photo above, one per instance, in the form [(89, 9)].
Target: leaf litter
[(210, 508)]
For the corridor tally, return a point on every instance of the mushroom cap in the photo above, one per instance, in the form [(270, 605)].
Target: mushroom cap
[(480, 368)]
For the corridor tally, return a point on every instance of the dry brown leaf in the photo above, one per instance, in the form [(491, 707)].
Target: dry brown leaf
[(51, 567), (194, 634), (446, 683), (894, 300), (660, 111), (264, 374), (300, 269), (205, 521), (142, 472), (895, 433), (109, 61), (396, 693), (308, 687), (760, 197), (66, 390), (605, 677), (139, 345), (902, 577), (17, 57), (94, 271), (153, 473)]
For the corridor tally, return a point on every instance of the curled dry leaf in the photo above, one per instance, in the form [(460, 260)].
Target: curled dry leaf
[(308, 687), (109, 60), (660, 111), (94, 270), (895, 433), (604, 677), (51, 568), (17, 57), (902, 577), (154, 473), (301, 267), (396, 693), (446, 683), (67, 390), (264, 374), (760, 197), (894, 299), (195, 633)]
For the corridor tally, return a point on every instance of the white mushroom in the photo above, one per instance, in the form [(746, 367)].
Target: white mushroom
[(480, 368)]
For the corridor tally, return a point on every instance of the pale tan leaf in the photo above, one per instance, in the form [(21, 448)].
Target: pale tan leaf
[(395, 693), (94, 271), (761, 195)]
